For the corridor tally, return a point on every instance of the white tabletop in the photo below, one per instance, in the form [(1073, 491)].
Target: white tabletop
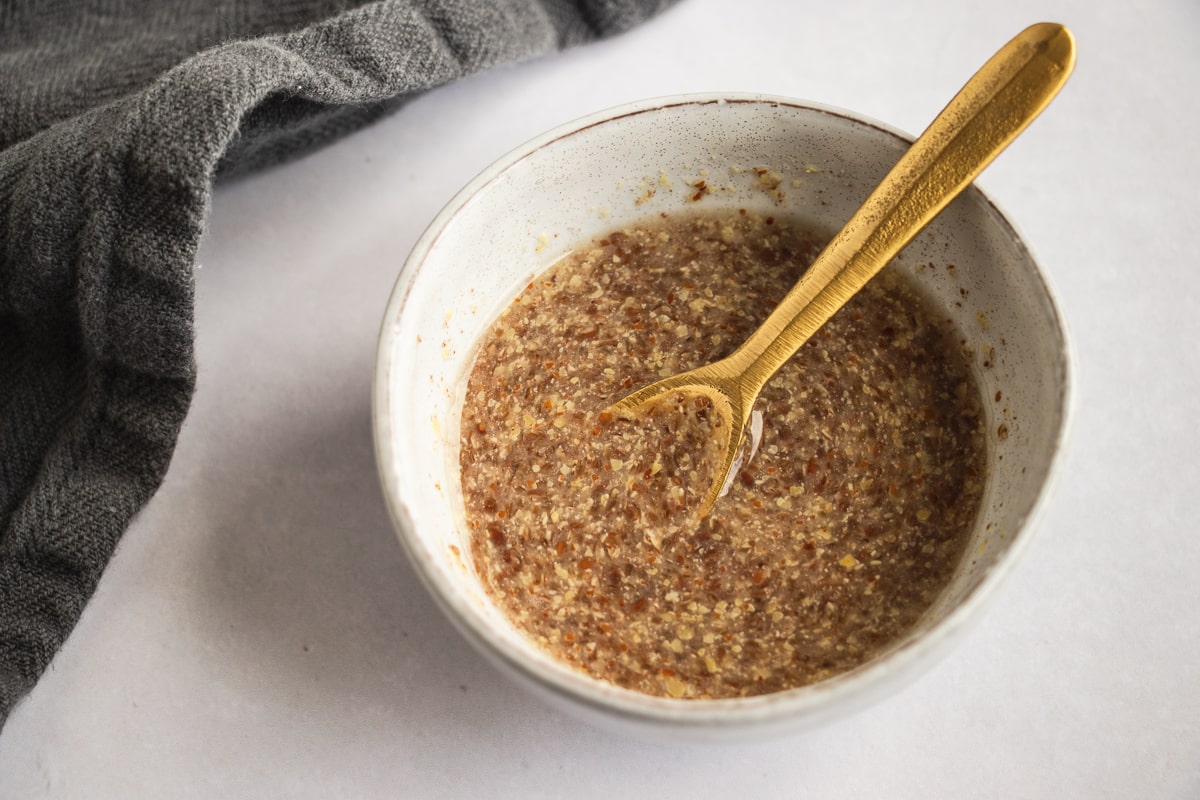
[(259, 632)]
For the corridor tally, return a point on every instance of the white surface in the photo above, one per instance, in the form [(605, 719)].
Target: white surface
[(259, 633)]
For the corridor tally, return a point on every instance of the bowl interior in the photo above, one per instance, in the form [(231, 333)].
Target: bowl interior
[(600, 173)]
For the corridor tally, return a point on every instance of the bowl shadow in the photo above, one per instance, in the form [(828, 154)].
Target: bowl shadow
[(316, 607)]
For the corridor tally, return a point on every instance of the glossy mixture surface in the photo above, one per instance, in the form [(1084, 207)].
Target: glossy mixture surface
[(834, 538)]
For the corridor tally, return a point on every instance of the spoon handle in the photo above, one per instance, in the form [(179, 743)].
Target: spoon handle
[(995, 105)]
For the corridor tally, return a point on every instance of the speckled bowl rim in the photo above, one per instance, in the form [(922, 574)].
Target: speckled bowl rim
[(787, 710)]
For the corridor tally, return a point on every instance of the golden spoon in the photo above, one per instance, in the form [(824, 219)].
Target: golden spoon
[(994, 106)]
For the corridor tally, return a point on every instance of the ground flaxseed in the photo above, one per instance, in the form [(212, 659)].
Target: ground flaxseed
[(833, 540)]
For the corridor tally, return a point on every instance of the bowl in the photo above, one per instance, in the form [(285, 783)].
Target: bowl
[(596, 174)]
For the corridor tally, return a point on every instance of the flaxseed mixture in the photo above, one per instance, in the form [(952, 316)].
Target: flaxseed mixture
[(833, 540)]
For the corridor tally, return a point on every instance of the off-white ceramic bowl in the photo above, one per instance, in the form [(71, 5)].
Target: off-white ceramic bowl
[(591, 176)]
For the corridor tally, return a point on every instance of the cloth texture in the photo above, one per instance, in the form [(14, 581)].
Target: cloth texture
[(116, 116)]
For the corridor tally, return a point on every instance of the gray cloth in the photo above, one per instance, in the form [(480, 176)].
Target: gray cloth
[(115, 117)]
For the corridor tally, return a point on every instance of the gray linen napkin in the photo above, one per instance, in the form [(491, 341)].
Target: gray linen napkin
[(114, 119)]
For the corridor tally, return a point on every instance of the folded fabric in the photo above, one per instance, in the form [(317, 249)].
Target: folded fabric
[(114, 120)]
